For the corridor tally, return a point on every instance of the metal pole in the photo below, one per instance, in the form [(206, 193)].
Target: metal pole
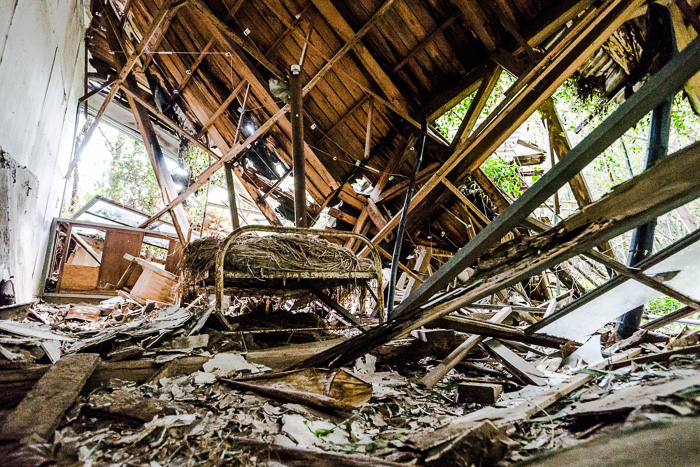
[(402, 224), (642, 242), (297, 118)]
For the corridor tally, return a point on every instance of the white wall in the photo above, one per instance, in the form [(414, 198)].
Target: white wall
[(41, 73)]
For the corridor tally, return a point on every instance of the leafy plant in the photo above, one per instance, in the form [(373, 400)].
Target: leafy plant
[(504, 174), (663, 305)]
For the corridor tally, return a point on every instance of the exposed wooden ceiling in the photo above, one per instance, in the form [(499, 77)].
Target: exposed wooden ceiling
[(373, 70)]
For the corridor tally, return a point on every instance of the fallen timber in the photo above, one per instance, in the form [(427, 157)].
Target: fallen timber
[(664, 187), (498, 331)]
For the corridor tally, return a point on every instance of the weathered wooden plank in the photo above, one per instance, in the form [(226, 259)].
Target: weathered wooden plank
[(520, 368), (42, 408)]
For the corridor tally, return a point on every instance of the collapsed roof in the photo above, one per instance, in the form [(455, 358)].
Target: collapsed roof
[(372, 72)]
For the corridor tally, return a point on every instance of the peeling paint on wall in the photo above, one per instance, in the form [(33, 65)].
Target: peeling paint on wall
[(41, 71)]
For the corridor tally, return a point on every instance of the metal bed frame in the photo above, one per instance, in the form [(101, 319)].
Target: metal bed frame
[(221, 274)]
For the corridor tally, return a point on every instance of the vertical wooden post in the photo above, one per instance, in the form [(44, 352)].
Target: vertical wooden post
[(228, 170), (298, 160)]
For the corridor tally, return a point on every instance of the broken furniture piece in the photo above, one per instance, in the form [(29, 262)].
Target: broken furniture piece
[(86, 257), (153, 284)]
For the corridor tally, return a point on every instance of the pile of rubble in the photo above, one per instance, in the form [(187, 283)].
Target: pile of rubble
[(142, 385)]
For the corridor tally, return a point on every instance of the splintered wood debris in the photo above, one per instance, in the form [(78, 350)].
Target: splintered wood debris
[(143, 385)]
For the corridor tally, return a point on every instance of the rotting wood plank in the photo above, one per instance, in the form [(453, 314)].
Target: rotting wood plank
[(497, 330), (519, 367), (523, 411), (618, 280), (155, 154), (43, 407), (192, 71), (684, 36)]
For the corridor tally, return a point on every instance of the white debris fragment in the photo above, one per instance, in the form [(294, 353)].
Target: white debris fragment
[(202, 377), (225, 364), (365, 365)]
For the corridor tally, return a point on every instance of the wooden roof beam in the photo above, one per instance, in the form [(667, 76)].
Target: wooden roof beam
[(476, 20), (229, 35), (476, 107), (428, 39), (353, 40), (189, 74), (155, 155), (631, 204), (174, 126), (222, 108), (317, 173)]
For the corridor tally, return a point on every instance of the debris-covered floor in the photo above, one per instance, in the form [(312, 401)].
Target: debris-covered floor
[(188, 386)]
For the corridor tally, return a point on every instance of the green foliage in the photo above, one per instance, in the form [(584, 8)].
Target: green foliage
[(663, 305), (504, 174), (130, 179), (449, 122)]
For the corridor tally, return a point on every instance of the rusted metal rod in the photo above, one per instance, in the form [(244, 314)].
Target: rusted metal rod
[(297, 119)]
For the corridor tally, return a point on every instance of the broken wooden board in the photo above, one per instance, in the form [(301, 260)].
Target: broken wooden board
[(24, 329), (521, 369), (322, 389), (530, 407), (439, 372), (302, 456), (481, 393), (41, 410), (627, 399)]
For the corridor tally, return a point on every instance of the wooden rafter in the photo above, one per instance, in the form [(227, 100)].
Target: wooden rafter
[(278, 116), (476, 20), (290, 27), (174, 126), (191, 71), (476, 107), (229, 35), (395, 161), (559, 144), (222, 108), (155, 155), (353, 41), (428, 39), (631, 204)]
